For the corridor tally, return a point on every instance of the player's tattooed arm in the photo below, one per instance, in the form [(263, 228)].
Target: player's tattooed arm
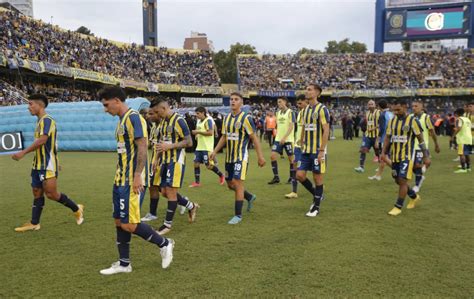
[(186, 142), (142, 150)]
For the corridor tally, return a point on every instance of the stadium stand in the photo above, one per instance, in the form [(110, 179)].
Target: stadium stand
[(10, 95), (26, 38), (358, 71)]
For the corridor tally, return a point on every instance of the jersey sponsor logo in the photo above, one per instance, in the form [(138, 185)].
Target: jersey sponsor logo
[(121, 149), (233, 136), (399, 138), (310, 127)]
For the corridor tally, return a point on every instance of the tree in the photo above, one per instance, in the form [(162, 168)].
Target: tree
[(343, 46), (84, 30), (306, 51), (226, 62)]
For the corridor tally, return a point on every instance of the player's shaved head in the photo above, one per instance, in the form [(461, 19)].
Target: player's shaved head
[(417, 107)]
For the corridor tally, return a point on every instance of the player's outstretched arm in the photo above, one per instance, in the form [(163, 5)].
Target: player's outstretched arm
[(34, 146), (435, 140), (324, 142), (422, 145), (384, 150), (219, 146), (258, 149)]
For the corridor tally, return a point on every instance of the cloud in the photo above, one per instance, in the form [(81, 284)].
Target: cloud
[(271, 26)]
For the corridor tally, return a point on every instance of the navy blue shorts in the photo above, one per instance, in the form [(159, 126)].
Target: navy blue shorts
[(298, 154), (203, 158), (309, 162), (39, 176), (236, 170), (288, 146), (368, 142), (402, 170), (171, 175), (464, 149), (126, 204), (419, 157)]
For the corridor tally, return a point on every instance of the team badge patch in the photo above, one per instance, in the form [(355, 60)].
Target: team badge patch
[(406, 128), (169, 129), (121, 130), (238, 125), (315, 115)]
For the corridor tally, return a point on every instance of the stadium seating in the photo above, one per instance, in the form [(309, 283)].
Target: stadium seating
[(357, 71), (27, 38)]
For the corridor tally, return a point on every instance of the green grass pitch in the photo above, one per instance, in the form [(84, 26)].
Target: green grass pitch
[(353, 249)]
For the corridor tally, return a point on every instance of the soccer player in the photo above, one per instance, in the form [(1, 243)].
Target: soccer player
[(314, 139), (175, 137), (130, 178), (462, 133), (370, 138), (284, 139), (428, 130), (205, 144), (301, 103), (155, 120), (400, 137), (384, 119), (44, 174), (237, 130)]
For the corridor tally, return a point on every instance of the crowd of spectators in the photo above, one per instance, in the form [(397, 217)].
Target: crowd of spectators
[(11, 95), (445, 69), (26, 38)]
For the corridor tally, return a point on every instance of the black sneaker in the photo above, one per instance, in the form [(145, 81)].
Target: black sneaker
[(275, 180)]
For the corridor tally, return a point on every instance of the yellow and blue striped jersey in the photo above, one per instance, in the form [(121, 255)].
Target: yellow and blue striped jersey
[(130, 127), (403, 132), (237, 129), (426, 126), (173, 129), (372, 123), (284, 119), (312, 121), (205, 143), (46, 156), (153, 139)]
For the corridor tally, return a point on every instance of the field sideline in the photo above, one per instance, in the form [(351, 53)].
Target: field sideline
[(352, 249)]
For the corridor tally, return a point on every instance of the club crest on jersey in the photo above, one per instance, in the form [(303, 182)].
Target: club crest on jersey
[(238, 125), (315, 115), (121, 130), (406, 128), (169, 129)]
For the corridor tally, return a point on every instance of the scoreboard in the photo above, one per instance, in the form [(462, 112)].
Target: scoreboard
[(434, 22)]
